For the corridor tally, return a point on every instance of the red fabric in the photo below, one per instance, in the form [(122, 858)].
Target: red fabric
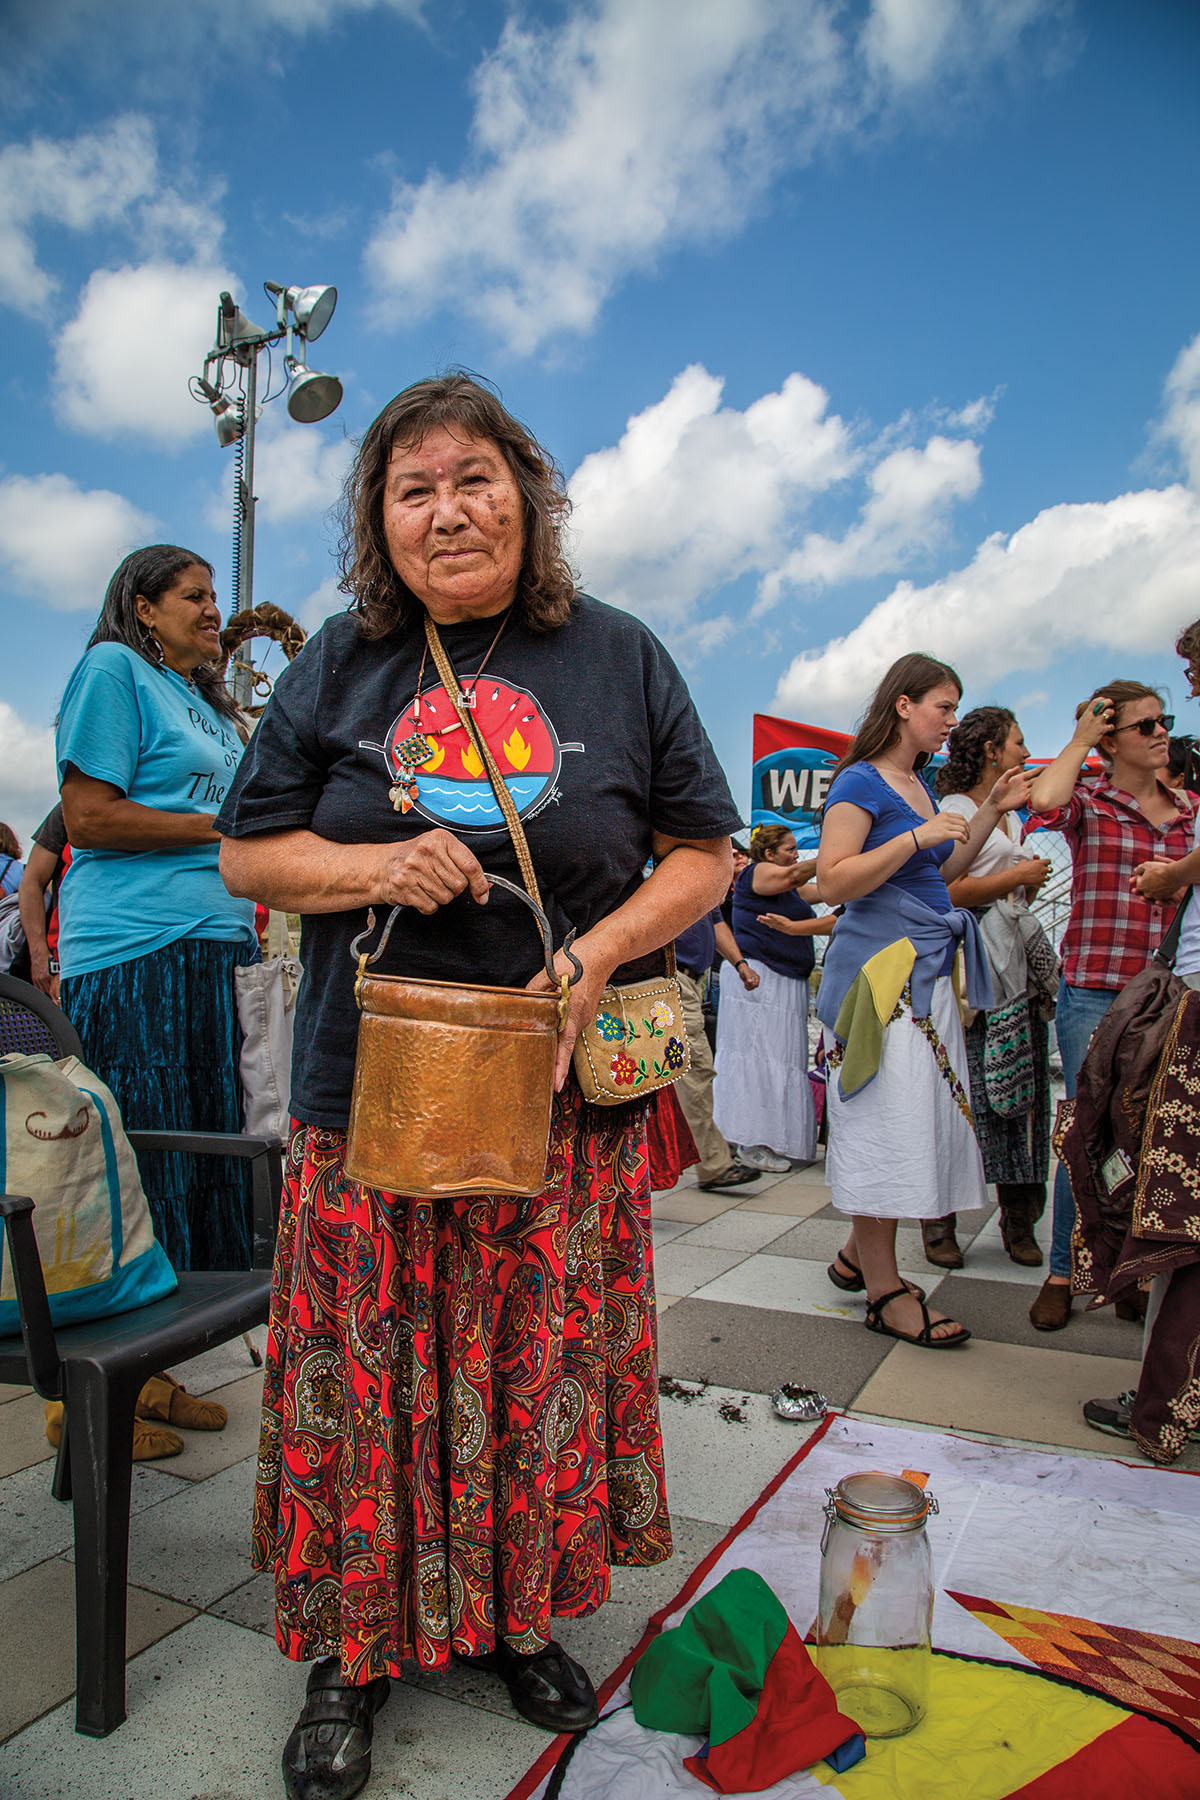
[(797, 1723), (1113, 933), (1137, 1758), (771, 735), (460, 1415), (52, 923), (670, 1142)]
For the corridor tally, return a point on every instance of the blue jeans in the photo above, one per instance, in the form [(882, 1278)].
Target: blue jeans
[(1080, 1010)]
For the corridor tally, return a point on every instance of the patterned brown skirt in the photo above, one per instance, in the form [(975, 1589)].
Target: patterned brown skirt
[(460, 1420)]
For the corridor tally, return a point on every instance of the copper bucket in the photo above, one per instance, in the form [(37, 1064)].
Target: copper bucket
[(453, 1084)]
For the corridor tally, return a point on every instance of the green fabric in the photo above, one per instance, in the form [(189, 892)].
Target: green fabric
[(705, 1675), (864, 1013)]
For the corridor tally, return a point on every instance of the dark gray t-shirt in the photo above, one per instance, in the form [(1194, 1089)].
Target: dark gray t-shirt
[(598, 740)]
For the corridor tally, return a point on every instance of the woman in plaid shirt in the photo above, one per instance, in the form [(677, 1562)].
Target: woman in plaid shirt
[(1126, 816)]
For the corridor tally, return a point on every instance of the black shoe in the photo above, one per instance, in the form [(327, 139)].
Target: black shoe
[(328, 1755), (549, 1688)]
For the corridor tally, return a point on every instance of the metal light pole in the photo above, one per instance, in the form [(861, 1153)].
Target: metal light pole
[(301, 314)]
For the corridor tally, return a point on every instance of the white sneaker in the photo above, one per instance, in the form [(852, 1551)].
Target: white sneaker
[(758, 1156)]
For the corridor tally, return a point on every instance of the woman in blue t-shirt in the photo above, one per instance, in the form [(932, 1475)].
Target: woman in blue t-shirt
[(762, 1099), (148, 740), (901, 1139)]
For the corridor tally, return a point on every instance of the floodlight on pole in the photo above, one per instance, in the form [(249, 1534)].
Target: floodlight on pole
[(300, 313)]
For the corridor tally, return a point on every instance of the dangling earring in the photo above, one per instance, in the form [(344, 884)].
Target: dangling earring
[(151, 647)]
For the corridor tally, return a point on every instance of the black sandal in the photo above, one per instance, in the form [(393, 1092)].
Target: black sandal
[(924, 1339), (549, 1688), (856, 1282), (328, 1755)]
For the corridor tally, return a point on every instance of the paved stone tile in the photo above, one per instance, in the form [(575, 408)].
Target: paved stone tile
[(664, 1301), (796, 1198), (33, 1525), (750, 1348), (722, 1463), (999, 1311), (738, 1229), (209, 1709), (682, 1267), (221, 1365), (205, 1453), (792, 1284), (688, 1205), (251, 1605), (987, 1260), (37, 1639), (820, 1239), (23, 1438), (665, 1230), (196, 1545), (1005, 1389), (8, 1392)]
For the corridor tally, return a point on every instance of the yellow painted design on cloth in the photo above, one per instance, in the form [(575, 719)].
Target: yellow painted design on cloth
[(987, 1733)]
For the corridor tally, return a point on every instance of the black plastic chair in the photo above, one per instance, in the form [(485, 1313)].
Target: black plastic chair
[(98, 1369)]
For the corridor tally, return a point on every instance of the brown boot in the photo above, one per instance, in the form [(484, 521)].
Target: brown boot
[(1021, 1203), (941, 1245), (150, 1442), (1052, 1308), (1132, 1307), (165, 1398)]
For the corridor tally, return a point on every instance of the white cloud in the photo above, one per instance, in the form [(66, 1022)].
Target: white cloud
[(80, 183), (298, 473), (1115, 574), (696, 495), (909, 43), (1181, 419), (61, 542), (627, 129), (123, 362), (28, 781), (320, 605), (911, 493), (157, 50)]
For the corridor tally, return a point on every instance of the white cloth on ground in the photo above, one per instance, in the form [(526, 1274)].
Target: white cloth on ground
[(902, 1147), (762, 1093)]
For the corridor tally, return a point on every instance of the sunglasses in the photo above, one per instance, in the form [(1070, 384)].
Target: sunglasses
[(1148, 727)]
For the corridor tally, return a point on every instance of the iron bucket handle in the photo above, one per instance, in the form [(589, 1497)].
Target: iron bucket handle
[(564, 982)]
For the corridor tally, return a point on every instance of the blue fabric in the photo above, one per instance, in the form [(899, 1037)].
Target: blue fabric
[(870, 924), (148, 1277), (793, 957), (696, 947), (862, 785), (1079, 1012), (10, 880), (147, 733), (161, 1032)]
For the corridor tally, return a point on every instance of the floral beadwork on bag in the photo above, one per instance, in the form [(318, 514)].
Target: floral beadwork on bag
[(635, 1044)]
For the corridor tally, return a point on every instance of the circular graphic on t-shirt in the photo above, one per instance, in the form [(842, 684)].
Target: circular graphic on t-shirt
[(452, 785)]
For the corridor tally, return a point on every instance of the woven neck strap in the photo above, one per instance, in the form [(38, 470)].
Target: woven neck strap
[(450, 682)]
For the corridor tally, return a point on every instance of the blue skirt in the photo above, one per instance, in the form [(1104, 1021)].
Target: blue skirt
[(162, 1032)]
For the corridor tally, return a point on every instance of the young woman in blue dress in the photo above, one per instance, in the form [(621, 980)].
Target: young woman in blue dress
[(901, 1138)]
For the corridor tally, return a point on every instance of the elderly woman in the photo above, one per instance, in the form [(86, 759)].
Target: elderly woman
[(461, 1432)]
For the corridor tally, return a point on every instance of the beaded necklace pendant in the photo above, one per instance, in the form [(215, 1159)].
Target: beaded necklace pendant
[(409, 755)]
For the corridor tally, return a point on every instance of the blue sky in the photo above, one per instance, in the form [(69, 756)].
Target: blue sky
[(857, 328)]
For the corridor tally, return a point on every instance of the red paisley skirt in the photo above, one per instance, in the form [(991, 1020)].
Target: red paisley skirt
[(460, 1419)]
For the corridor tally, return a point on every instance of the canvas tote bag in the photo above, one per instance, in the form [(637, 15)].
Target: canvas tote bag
[(62, 1143)]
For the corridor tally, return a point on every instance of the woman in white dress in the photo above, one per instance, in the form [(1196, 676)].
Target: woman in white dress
[(901, 1139)]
